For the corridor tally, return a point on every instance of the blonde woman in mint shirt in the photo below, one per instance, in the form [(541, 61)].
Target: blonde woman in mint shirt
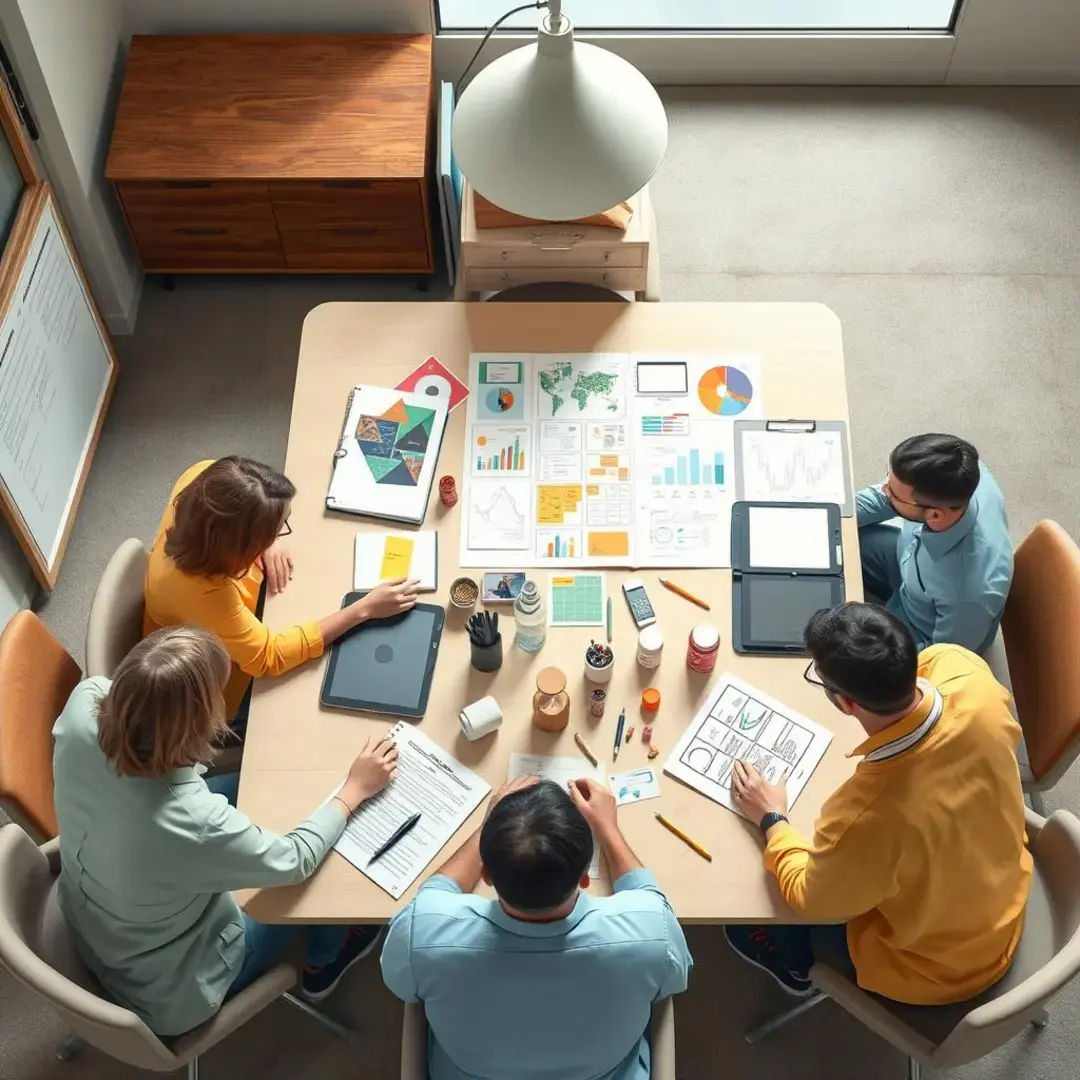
[(150, 854)]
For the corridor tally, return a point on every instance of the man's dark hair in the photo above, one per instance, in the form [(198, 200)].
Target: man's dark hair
[(943, 470), (865, 653), (536, 845)]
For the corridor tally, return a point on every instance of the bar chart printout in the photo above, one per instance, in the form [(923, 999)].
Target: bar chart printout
[(501, 449), (693, 468)]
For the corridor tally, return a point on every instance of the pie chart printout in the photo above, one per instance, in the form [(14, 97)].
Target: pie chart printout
[(725, 391)]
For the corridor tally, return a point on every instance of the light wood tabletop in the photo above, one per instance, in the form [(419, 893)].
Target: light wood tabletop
[(297, 752)]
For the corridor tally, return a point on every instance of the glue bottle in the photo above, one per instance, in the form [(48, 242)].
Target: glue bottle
[(530, 618)]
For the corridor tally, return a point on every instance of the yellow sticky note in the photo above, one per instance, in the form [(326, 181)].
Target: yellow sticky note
[(555, 501), (397, 558), (609, 544)]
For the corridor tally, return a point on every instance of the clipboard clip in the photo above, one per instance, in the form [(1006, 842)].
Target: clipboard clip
[(792, 427)]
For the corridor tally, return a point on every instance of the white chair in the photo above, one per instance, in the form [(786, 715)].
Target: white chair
[(37, 948), (414, 1042), (1047, 959), (116, 615)]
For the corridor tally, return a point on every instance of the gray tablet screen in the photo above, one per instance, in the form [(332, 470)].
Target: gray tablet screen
[(780, 608), (385, 662)]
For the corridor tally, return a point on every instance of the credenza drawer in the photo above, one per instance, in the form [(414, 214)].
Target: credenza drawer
[(317, 204), (357, 247), (625, 279), (577, 255)]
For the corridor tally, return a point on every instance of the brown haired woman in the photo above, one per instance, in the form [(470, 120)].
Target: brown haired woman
[(150, 855), (217, 541)]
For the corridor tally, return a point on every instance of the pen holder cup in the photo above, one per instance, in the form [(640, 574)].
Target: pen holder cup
[(599, 673), (488, 657)]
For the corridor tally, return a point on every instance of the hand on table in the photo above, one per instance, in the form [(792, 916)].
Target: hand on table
[(519, 783), (596, 803), (277, 565), (754, 795), (375, 766), (389, 598)]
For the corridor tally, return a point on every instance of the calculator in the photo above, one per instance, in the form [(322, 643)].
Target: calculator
[(638, 602)]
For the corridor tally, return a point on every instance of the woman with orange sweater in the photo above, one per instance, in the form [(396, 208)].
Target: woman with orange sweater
[(217, 543)]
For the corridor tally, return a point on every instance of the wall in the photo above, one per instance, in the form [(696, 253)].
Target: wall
[(205, 16), (68, 55)]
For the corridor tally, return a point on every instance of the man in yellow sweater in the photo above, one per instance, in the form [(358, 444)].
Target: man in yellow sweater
[(919, 857)]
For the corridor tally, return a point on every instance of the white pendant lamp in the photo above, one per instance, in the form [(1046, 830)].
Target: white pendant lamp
[(559, 129)]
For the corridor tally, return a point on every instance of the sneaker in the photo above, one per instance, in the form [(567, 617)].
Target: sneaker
[(756, 947), (320, 982)]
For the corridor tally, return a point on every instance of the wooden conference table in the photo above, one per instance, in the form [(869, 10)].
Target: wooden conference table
[(297, 751)]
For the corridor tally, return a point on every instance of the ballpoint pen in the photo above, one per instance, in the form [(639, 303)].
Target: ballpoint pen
[(618, 734), (402, 830)]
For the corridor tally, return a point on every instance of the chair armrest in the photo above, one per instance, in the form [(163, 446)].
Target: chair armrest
[(51, 850), (236, 1012), (414, 1043), (662, 1030)]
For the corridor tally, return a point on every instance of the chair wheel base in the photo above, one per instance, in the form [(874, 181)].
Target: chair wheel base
[(69, 1047)]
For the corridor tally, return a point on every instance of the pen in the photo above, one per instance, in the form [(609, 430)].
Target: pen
[(402, 830), (683, 837), (609, 620), (618, 734), (584, 748), (672, 587)]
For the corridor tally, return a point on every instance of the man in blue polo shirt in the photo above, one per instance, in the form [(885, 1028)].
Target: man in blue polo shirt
[(947, 569), (544, 983)]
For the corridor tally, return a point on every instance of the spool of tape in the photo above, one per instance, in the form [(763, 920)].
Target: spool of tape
[(480, 718)]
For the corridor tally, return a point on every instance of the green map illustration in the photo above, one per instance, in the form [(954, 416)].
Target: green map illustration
[(594, 392)]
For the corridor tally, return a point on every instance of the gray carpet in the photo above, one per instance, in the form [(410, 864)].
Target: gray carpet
[(944, 230)]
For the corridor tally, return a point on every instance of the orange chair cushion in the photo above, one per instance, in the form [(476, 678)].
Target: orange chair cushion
[(1041, 628), (37, 676)]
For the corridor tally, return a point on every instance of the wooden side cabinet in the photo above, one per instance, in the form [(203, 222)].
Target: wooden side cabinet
[(276, 152)]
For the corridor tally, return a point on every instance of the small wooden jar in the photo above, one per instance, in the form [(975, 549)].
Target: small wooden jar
[(551, 702)]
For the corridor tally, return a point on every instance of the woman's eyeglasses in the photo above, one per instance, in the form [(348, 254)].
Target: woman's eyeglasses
[(286, 529)]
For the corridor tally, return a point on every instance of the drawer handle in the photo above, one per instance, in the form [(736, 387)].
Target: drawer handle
[(202, 230), (185, 184), (346, 183), (355, 231)]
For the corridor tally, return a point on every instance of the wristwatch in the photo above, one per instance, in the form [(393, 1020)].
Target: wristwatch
[(773, 817)]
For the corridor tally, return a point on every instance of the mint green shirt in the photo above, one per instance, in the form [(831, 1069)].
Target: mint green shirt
[(147, 872)]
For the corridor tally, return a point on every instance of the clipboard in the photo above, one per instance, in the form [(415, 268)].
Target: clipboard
[(765, 473)]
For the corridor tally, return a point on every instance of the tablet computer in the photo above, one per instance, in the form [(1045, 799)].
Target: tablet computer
[(385, 665), (770, 611)]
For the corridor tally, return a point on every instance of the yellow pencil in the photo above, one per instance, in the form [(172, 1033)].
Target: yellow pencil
[(679, 591), (683, 837), (583, 747)]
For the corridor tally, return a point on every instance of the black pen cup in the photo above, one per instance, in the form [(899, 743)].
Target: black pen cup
[(487, 657)]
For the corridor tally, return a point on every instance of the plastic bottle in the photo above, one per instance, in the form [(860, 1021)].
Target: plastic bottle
[(530, 618)]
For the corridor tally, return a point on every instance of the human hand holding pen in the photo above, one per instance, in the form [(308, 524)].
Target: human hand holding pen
[(374, 767)]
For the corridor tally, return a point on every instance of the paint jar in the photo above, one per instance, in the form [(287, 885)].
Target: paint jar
[(597, 701), (702, 648), (650, 647), (480, 718), (650, 700), (447, 491)]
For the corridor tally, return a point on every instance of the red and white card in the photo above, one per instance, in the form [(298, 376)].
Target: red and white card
[(433, 379)]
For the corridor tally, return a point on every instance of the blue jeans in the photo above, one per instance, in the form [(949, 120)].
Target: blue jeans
[(798, 947), (264, 944), (227, 784), (880, 561)]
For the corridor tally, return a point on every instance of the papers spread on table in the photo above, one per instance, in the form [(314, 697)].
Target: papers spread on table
[(603, 459), (790, 537), (428, 780), (561, 770), (739, 722), (385, 556), (577, 600), (635, 785)]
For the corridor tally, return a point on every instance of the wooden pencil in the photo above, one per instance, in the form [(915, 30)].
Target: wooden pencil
[(683, 837)]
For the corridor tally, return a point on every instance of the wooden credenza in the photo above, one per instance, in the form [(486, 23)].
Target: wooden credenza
[(276, 153)]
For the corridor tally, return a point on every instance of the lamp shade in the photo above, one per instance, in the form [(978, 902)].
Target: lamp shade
[(559, 129)]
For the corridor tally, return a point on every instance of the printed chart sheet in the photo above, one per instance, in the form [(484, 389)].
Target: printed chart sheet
[(576, 460), (740, 722)]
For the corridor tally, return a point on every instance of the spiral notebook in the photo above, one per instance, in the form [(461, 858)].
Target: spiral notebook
[(388, 454), (429, 780)]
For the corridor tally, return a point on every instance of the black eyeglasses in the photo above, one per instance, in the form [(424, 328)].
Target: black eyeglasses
[(812, 677), (286, 529)]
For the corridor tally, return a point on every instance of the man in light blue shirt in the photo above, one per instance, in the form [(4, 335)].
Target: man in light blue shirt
[(544, 983), (946, 570)]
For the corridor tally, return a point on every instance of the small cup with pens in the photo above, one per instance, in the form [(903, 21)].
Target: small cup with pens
[(599, 662), (486, 641)]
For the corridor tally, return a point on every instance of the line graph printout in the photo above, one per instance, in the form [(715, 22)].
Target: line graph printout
[(498, 514), (779, 466), (739, 722)]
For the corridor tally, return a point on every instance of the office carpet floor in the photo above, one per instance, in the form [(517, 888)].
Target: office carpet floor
[(944, 230)]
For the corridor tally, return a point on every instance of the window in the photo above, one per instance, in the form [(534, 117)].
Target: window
[(715, 15)]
